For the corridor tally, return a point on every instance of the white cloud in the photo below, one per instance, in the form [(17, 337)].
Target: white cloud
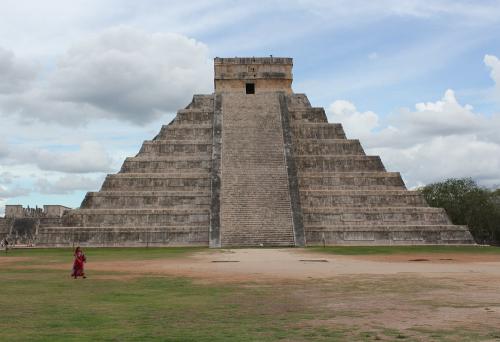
[(67, 184), (90, 157), (442, 117), (437, 140), (443, 157), (15, 74), (12, 192), (7, 177), (4, 150), (494, 63), (358, 124), (358, 10), (131, 74), (120, 73)]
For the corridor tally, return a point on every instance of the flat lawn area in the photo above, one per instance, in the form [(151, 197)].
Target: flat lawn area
[(40, 302), (64, 254)]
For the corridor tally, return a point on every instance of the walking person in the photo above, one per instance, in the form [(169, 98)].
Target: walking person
[(80, 259), (6, 245)]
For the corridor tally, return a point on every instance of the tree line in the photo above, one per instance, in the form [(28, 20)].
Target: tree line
[(467, 203)]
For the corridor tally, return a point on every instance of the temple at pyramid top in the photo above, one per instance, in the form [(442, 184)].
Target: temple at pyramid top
[(253, 75)]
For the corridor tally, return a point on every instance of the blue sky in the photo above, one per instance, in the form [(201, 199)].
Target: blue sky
[(83, 83)]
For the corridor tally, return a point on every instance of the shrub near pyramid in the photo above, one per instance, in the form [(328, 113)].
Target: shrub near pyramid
[(252, 164)]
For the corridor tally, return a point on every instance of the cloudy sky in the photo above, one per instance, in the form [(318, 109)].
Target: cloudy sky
[(83, 83)]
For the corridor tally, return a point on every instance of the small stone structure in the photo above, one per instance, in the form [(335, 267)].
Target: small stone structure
[(264, 75), (253, 164), (21, 225)]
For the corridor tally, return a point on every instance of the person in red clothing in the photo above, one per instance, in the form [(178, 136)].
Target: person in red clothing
[(78, 264)]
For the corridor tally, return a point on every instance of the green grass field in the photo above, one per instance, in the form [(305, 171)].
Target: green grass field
[(39, 303)]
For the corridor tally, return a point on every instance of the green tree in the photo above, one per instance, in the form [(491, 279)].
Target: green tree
[(468, 204)]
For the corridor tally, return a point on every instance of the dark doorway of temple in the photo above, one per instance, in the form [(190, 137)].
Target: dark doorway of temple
[(250, 87)]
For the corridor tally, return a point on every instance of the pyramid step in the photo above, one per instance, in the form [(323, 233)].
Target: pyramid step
[(166, 175), (281, 236), (318, 131), (386, 228), (388, 234), (146, 199), (350, 180), (166, 164), (49, 222), (375, 216), (366, 198), (260, 231), (194, 116), (126, 236), (297, 101), (170, 140), (204, 102), (328, 147), (178, 148), (339, 163), (136, 217), (180, 181), (168, 158), (255, 236), (185, 132), (254, 241), (308, 115), (134, 211)]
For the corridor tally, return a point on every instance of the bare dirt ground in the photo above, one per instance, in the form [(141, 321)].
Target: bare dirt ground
[(281, 264), (235, 265)]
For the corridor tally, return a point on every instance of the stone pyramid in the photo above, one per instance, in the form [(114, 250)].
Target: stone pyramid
[(252, 164)]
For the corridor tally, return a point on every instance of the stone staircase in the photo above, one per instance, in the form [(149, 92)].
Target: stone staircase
[(160, 197), (348, 197), (255, 199)]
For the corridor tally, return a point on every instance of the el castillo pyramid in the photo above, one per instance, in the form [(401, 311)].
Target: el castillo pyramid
[(252, 164)]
